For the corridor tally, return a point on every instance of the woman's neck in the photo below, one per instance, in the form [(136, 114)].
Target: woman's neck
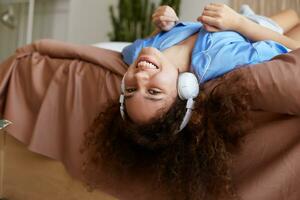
[(181, 53)]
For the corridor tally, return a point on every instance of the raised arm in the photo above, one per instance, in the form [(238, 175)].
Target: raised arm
[(218, 17)]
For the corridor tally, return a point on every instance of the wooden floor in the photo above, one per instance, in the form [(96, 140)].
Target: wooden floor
[(29, 176)]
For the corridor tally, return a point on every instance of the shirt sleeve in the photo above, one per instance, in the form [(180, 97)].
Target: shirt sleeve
[(268, 49), (222, 58)]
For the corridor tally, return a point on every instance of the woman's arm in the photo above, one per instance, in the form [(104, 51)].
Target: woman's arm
[(257, 32), (218, 17)]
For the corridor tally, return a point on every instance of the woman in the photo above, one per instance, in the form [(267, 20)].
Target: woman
[(207, 59), (192, 162)]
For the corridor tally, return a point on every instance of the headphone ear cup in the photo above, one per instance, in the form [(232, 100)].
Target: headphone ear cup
[(187, 86)]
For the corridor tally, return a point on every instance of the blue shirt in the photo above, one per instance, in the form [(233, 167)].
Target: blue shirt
[(214, 54)]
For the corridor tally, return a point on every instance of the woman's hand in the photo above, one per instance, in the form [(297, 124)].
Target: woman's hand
[(219, 17), (164, 18)]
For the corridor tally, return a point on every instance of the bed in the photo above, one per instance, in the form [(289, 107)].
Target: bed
[(38, 94)]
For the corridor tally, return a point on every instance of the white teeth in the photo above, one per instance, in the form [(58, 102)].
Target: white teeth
[(146, 65)]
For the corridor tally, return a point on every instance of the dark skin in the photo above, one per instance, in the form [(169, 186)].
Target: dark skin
[(194, 164)]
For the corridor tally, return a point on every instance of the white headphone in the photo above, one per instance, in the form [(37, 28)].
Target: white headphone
[(188, 89)]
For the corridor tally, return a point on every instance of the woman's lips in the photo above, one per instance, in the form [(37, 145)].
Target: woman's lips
[(146, 65), (147, 62)]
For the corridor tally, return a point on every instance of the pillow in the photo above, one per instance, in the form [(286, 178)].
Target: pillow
[(276, 83), (115, 46)]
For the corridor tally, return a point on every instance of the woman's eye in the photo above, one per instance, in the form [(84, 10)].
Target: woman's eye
[(130, 90), (153, 92)]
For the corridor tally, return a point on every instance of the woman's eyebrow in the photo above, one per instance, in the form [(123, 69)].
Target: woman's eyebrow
[(153, 99), (146, 97)]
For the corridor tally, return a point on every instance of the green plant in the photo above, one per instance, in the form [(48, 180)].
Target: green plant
[(133, 18)]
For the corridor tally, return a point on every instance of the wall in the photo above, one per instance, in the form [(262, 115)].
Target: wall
[(76, 21), (89, 20)]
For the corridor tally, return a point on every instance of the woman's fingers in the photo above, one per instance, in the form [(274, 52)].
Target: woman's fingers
[(164, 18), (220, 16), (211, 13), (164, 10), (212, 7), (164, 23), (160, 19), (166, 26), (156, 14), (209, 20), (210, 28)]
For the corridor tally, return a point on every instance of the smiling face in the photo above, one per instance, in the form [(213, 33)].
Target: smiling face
[(150, 86)]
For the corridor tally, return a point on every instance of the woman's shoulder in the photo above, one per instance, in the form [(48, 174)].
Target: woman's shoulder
[(130, 52), (161, 40)]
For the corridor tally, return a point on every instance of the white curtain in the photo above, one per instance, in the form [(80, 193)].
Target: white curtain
[(267, 7)]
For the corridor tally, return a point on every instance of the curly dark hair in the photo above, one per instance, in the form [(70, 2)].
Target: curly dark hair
[(194, 163)]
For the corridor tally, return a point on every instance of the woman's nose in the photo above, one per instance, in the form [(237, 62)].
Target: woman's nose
[(142, 76)]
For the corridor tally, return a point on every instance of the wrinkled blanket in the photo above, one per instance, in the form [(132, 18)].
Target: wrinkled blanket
[(52, 91)]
